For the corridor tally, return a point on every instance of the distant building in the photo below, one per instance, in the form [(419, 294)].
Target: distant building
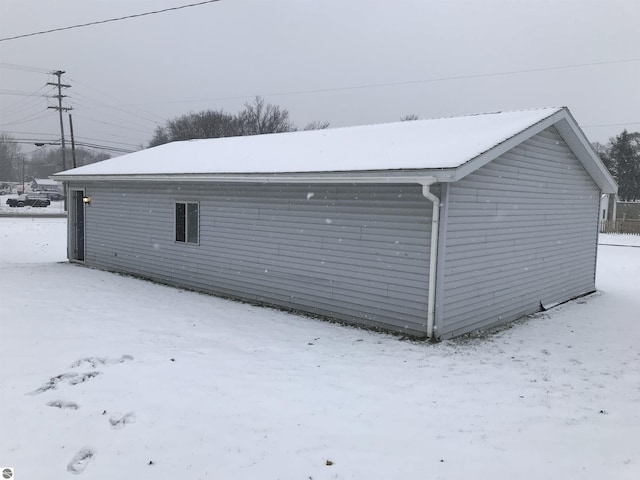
[(44, 185), (608, 207)]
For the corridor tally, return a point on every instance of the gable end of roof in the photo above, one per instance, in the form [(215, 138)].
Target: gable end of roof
[(572, 135)]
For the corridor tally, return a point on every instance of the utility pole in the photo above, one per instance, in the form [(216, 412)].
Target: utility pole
[(73, 142), (60, 109)]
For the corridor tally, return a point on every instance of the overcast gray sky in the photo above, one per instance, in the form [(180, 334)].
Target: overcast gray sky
[(348, 62)]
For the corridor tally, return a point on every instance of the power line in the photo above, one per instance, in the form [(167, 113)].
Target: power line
[(121, 126), (35, 94), (123, 102), (406, 82), (32, 141), (24, 68), (19, 108), (18, 92), (118, 109), (30, 133), (27, 113), (107, 21), (28, 100), (106, 141), (31, 118), (37, 137), (104, 147), (610, 125), (121, 123)]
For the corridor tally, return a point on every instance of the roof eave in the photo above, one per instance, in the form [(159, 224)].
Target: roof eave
[(373, 177)]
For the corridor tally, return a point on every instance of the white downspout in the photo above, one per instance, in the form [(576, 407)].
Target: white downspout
[(433, 258)]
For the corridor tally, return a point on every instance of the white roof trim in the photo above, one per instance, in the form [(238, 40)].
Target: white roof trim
[(577, 141), (333, 177)]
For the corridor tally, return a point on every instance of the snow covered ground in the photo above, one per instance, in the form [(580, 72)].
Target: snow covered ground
[(106, 376)]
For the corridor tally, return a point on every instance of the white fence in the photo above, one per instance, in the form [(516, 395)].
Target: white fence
[(631, 227)]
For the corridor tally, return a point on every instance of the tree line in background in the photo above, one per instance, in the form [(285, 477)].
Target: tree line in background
[(621, 156), (15, 165), (10, 159), (256, 118)]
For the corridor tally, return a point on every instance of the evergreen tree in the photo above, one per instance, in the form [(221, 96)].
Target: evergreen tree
[(603, 153), (624, 158)]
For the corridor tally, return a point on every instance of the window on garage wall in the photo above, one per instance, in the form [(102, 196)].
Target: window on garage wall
[(187, 222)]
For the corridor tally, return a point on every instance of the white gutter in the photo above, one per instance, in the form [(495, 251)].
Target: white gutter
[(333, 177), (433, 257)]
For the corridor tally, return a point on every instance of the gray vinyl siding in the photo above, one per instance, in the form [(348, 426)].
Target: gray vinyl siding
[(520, 232), (354, 253)]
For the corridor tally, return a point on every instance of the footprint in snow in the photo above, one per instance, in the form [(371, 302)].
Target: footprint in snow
[(95, 361), (83, 377), (119, 421), (70, 378), (79, 463), (63, 405), (51, 384), (75, 378)]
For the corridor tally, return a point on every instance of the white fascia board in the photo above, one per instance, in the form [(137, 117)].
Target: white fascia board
[(422, 178), (577, 141)]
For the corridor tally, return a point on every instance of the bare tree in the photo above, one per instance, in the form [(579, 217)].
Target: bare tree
[(410, 117), (259, 117), (204, 124), (160, 136), (316, 125)]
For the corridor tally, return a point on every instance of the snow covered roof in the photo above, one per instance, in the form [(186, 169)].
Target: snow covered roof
[(45, 181), (427, 146)]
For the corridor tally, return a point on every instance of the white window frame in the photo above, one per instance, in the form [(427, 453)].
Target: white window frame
[(187, 223)]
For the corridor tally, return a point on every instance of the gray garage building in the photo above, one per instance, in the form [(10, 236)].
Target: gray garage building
[(430, 227)]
